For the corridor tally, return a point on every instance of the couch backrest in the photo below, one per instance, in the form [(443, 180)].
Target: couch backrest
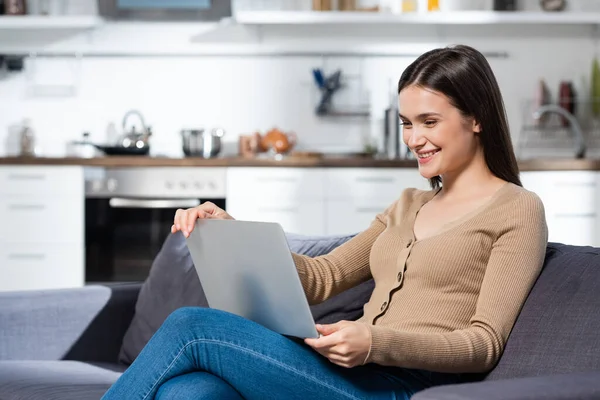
[(558, 329)]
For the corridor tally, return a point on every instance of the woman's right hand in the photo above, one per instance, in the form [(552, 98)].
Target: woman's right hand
[(186, 219)]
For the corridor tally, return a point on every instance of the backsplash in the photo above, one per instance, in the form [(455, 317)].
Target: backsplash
[(64, 97)]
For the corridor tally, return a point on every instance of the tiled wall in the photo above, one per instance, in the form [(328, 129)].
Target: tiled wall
[(245, 93)]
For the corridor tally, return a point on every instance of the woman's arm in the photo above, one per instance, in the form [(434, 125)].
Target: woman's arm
[(344, 267), (513, 267)]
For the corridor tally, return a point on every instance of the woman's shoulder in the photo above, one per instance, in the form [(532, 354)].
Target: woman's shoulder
[(520, 202)]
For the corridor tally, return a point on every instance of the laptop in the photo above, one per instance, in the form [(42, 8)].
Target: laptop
[(246, 268)]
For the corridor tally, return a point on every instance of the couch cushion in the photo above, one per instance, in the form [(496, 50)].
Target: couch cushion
[(557, 329), (55, 380), (173, 283)]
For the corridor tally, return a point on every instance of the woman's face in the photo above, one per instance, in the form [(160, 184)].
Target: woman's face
[(442, 140)]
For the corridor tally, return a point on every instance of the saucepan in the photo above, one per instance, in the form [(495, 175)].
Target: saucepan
[(199, 143)]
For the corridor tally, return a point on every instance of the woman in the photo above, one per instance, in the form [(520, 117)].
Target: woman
[(452, 268)]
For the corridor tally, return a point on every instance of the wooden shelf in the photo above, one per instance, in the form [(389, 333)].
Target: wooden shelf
[(436, 18)]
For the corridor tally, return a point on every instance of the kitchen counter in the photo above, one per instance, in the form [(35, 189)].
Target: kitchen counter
[(306, 162)]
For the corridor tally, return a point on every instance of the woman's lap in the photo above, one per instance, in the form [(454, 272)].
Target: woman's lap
[(257, 362)]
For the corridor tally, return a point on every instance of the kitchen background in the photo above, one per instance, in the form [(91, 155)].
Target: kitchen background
[(170, 73), (267, 65)]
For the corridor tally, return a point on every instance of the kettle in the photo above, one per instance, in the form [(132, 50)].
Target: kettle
[(199, 143)]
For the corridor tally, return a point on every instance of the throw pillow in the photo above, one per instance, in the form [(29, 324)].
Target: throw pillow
[(173, 283)]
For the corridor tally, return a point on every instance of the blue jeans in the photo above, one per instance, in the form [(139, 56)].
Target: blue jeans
[(202, 353)]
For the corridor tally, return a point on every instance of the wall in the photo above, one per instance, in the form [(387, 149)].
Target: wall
[(180, 88)]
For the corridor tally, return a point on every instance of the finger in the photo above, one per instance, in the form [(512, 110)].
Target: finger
[(173, 228), (177, 219), (324, 342), (210, 207), (330, 328), (190, 220)]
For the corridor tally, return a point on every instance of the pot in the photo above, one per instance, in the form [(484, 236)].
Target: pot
[(199, 143)]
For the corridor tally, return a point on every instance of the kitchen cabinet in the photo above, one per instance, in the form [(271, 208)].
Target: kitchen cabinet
[(292, 197), (571, 200), (356, 195), (42, 230), (319, 201)]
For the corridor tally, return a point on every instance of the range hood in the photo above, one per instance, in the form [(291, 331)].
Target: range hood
[(165, 10)]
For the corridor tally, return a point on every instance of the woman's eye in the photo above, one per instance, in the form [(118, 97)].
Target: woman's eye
[(430, 122), (405, 124)]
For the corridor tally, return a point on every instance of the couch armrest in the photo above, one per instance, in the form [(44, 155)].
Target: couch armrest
[(572, 386), (85, 324)]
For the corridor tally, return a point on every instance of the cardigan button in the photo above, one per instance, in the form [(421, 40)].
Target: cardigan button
[(383, 305)]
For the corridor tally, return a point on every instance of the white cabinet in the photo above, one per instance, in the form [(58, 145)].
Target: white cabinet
[(292, 197), (356, 195), (316, 201), (42, 227), (570, 199)]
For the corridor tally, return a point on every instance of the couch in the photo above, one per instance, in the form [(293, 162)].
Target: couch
[(65, 344)]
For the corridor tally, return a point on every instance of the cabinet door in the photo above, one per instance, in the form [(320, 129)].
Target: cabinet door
[(274, 183), (349, 217), (27, 266), (570, 201), (384, 184), (42, 181), (41, 219), (304, 217)]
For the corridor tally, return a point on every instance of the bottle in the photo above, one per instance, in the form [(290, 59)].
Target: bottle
[(391, 129), (27, 139)]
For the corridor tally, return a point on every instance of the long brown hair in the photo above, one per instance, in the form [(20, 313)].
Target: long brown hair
[(463, 75)]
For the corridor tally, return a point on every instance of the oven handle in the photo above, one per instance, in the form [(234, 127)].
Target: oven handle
[(119, 202)]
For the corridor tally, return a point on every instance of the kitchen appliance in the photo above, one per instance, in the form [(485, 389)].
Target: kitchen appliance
[(199, 143), (165, 10), (129, 213)]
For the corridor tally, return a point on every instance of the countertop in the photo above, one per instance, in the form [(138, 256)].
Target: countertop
[(564, 164)]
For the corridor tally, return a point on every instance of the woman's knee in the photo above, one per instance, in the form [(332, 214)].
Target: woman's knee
[(196, 386), (186, 317)]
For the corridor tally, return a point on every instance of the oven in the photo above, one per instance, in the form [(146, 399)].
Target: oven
[(129, 213)]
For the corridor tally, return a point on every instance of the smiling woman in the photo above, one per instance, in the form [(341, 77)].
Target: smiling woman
[(453, 116), (452, 268)]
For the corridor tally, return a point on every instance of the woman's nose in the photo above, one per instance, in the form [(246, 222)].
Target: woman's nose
[(415, 138)]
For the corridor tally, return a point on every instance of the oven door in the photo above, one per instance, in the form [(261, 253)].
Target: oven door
[(124, 235)]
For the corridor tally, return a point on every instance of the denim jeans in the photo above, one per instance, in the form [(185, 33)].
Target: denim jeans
[(202, 353)]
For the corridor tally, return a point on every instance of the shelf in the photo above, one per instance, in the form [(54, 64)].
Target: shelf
[(435, 18), (49, 23)]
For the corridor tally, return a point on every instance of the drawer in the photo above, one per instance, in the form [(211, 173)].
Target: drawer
[(278, 183), (31, 219), (349, 217), (576, 230), (42, 180), (302, 217), (374, 183), (565, 192), (27, 266)]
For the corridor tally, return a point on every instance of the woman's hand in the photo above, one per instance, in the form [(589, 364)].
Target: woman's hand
[(344, 343), (186, 219)]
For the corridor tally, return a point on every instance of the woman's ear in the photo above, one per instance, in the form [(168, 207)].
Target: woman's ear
[(476, 126)]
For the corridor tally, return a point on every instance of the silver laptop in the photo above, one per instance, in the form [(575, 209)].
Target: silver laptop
[(246, 268)]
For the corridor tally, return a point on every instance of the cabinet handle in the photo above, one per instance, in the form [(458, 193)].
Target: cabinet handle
[(286, 179), (278, 209), (370, 210), (26, 207), (26, 256), (376, 179), (26, 177), (576, 215)]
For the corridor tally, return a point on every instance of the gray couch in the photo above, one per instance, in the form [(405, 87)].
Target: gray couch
[(64, 344)]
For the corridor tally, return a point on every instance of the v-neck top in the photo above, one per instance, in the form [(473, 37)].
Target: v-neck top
[(446, 302)]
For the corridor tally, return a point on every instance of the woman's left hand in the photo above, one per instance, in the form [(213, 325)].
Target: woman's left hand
[(345, 343)]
